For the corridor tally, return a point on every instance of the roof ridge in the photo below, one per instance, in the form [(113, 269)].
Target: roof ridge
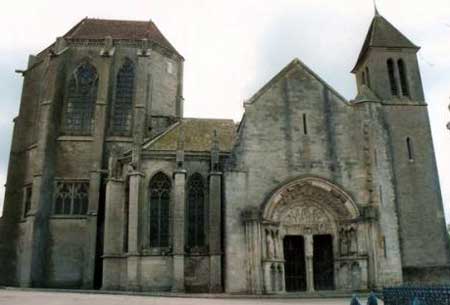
[(118, 20)]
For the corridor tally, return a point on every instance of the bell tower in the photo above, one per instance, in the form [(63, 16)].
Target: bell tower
[(387, 68), (387, 64)]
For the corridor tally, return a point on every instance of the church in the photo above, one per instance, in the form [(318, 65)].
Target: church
[(110, 187)]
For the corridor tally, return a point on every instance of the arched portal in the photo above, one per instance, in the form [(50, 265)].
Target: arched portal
[(307, 222)]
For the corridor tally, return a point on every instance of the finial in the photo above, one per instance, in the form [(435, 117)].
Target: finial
[(377, 13)]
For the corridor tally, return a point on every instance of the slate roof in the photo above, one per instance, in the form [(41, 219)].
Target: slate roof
[(383, 34), (91, 29), (198, 136), (99, 29)]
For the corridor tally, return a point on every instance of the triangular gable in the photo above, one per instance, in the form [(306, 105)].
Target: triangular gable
[(295, 64)]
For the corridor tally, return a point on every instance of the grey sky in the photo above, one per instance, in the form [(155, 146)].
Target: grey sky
[(233, 47)]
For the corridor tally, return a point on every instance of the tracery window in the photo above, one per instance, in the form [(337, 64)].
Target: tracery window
[(159, 193), (196, 206), (392, 80), (80, 104), (403, 77), (71, 198), (123, 102)]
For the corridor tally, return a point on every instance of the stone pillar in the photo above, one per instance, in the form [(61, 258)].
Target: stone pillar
[(178, 230), (95, 181), (215, 232), (114, 233), (253, 239), (33, 264), (309, 253), (134, 232)]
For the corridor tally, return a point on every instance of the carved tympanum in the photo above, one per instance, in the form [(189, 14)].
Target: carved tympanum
[(312, 190), (308, 217)]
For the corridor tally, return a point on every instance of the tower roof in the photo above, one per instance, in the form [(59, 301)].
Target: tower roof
[(383, 34)]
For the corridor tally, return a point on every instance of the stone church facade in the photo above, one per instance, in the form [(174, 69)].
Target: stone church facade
[(110, 186)]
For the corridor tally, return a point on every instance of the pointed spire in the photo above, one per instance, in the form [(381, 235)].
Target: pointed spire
[(377, 13), (383, 34)]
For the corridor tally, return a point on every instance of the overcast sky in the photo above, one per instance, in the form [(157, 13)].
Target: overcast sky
[(232, 48)]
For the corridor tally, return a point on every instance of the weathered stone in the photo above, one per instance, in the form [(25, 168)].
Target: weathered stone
[(352, 185)]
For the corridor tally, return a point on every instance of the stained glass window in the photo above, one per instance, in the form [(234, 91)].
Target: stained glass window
[(160, 187), (72, 198), (196, 205), (123, 103), (80, 105)]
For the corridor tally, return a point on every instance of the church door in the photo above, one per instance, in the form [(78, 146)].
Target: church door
[(323, 262), (295, 271)]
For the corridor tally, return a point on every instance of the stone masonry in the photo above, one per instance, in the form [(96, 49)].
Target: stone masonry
[(110, 187)]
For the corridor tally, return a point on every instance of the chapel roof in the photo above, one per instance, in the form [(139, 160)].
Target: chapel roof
[(198, 136), (383, 34), (129, 30)]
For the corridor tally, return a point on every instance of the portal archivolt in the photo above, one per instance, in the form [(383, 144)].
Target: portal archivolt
[(308, 216)]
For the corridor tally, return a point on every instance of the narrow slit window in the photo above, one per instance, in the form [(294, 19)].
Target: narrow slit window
[(363, 78), (367, 77), (403, 77), (392, 81), (409, 146), (28, 194), (305, 125)]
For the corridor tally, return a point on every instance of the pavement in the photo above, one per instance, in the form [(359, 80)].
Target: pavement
[(38, 297)]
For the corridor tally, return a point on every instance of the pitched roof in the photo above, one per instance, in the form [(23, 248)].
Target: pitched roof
[(89, 28), (383, 34), (198, 136)]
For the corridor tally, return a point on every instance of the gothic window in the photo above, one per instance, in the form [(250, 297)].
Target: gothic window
[(392, 80), (27, 199), (403, 77), (80, 104), (123, 102), (409, 146), (305, 125), (196, 222), (71, 198), (159, 192)]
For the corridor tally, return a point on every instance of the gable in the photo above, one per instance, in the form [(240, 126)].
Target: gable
[(294, 66)]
